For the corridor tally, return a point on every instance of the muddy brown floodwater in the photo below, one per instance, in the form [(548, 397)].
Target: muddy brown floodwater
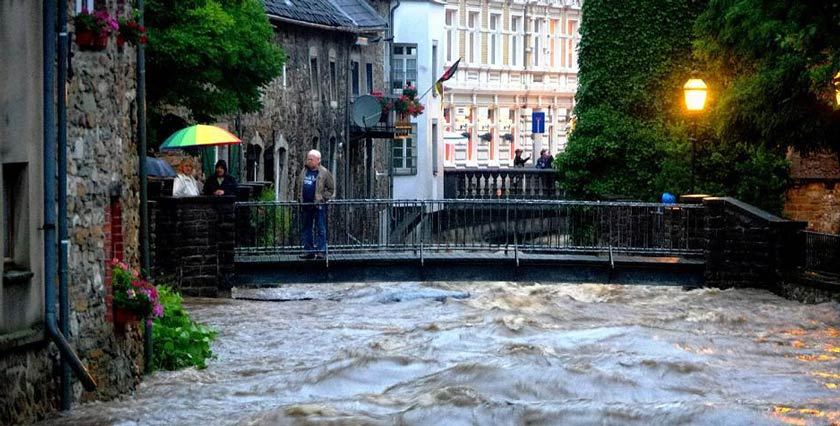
[(498, 354)]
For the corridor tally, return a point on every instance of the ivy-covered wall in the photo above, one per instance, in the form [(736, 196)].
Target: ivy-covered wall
[(632, 135)]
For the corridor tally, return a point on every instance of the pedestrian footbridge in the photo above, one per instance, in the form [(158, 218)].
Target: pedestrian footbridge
[(515, 240)]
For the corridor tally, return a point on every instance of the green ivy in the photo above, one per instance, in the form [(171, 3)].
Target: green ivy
[(632, 138), (179, 341)]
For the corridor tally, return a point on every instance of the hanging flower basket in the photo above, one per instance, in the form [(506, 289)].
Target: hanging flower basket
[(100, 43), (124, 317), (84, 39), (93, 29)]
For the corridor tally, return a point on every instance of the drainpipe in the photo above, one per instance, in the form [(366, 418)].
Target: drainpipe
[(50, 146), (63, 277), (145, 260)]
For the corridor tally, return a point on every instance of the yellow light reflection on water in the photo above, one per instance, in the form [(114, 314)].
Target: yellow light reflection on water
[(803, 416), (816, 358), (826, 375)]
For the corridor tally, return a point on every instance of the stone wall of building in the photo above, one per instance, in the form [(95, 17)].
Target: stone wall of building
[(297, 116), (815, 194), (102, 174)]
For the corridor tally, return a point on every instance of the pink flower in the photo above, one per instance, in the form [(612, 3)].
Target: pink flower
[(135, 273)]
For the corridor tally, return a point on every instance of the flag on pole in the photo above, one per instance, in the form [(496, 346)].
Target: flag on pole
[(446, 76)]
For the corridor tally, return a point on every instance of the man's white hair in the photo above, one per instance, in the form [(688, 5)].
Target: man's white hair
[(315, 153)]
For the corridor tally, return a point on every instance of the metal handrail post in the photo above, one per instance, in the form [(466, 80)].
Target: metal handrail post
[(422, 235)]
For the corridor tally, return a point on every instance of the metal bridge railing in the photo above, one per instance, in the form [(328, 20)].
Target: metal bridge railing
[(418, 228), (822, 252)]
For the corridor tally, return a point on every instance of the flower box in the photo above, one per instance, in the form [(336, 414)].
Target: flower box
[(124, 317)]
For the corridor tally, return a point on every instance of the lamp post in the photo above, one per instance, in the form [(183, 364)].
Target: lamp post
[(836, 83), (695, 100)]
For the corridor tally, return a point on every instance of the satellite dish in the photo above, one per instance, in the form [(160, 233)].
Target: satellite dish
[(366, 111)]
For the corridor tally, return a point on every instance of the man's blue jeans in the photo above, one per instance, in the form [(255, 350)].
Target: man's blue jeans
[(314, 219)]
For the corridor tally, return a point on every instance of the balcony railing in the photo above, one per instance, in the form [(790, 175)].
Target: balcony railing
[(499, 183)]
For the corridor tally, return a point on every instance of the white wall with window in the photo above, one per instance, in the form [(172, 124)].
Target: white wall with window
[(404, 154), (417, 33), (403, 66)]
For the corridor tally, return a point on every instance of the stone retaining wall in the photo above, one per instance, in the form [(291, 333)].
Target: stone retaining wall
[(747, 247), (193, 244)]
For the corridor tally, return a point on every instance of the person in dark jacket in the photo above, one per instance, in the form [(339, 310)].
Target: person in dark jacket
[(518, 161), (220, 183), (546, 160)]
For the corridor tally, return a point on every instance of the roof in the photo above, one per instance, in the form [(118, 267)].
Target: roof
[(361, 13), (346, 15)]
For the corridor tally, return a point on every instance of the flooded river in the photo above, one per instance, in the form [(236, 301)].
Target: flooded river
[(498, 354)]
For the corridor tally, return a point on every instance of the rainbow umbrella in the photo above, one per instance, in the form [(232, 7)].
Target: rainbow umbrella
[(198, 136)]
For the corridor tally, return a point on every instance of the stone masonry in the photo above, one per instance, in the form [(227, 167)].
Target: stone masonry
[(747, 247), (193, 244), (296, 117), (102, 172), (815, 194)]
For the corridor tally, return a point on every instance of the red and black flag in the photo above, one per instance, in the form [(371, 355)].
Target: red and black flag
[(449, 73)]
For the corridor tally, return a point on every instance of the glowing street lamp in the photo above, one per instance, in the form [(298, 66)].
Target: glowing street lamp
[(695, 100), (695, 94), (836, 82)]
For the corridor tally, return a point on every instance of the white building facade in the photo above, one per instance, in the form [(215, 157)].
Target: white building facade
[(417, 58), (517, 57)]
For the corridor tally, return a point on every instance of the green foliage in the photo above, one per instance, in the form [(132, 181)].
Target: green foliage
[(211, 56), (774, 61), (634, 58), (611, 154), (632, 134), (270, 223), (178, 340)]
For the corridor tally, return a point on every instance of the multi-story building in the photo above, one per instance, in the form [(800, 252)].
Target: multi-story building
[(102, 209), (416, 59), (334, 54), (517, 57)]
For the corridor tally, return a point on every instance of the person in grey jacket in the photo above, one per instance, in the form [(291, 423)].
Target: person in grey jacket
[(317, 188)]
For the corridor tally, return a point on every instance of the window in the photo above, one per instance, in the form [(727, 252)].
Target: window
[(369, 77), (404, 67), (434, 146), (15, 215), (473, 38), (333, 82), (314, 80), (572, 46), (84, 5), (405, 154), (516, 40), (537, 52), (354, 77), (451, 35), (495, 46)]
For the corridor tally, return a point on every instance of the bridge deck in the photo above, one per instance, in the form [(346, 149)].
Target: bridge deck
[(271, 270), (466, 257)]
